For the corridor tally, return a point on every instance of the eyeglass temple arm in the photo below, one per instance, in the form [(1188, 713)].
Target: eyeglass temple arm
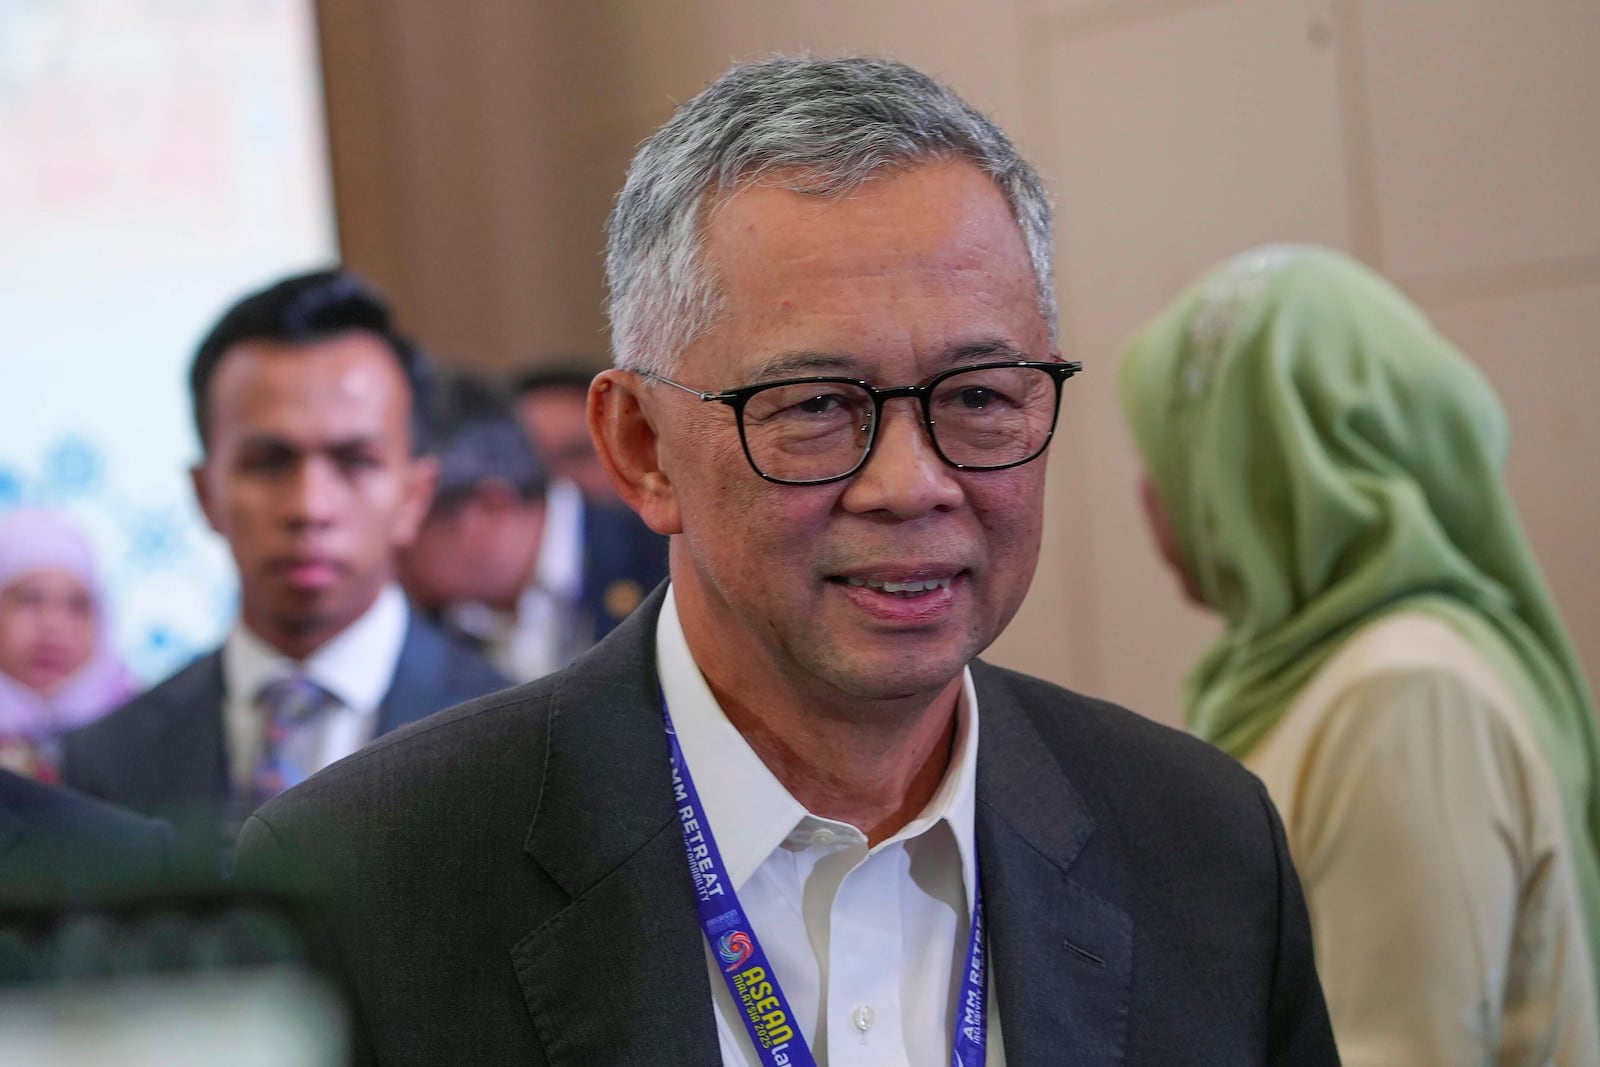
[(685, 388)]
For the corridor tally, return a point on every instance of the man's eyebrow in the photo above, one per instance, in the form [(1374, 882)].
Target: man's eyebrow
[(265, 442), (805, 363), (352, 444), (987, 350), (268, 442)]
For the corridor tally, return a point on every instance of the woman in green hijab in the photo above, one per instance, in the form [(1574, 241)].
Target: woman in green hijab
[(1325, 472)]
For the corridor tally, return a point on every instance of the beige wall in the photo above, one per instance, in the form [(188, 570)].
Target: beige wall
[(1450, 143)]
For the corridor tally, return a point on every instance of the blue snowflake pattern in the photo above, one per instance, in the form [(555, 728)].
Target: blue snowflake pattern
[(72, 468), (156, 541), (161, 650), (167, 645)]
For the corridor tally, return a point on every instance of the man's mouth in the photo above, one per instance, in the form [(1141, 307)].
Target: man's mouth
[(900, 587), (912, 593), (312, 572), (913, 587)]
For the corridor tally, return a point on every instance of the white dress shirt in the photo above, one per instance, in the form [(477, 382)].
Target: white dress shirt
[(356, 667), (560, 566), (869, 945)]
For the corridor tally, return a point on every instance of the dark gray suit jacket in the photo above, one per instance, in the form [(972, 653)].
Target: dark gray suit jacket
[(505, 883), (166, 748), (58, 848)]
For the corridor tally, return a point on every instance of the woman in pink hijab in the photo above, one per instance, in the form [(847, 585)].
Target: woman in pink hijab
[(57, 668)]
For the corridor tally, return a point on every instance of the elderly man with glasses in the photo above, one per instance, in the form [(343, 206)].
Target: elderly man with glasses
[(784, 815)]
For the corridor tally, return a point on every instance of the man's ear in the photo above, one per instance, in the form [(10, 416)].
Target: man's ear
[(626, 439), (202, 494), (421, 480)]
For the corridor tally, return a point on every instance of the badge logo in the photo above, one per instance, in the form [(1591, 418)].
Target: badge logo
[(735, 948)]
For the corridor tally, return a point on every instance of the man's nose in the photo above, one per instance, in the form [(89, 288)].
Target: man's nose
[(904, 475), (314, 493)]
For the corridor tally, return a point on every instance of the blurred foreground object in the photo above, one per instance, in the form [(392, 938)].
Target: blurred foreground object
[(204, 976)]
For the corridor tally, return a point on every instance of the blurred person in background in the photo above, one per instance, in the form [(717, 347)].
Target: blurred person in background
[(311, 413), (58, 668), (474, 562), (553, 404), (478, 562), (1326, 472), (594, 551)]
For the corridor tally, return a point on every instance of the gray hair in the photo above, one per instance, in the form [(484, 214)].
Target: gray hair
[(829, 125)]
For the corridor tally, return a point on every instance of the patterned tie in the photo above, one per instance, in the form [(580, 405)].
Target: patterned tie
[(287, 706)]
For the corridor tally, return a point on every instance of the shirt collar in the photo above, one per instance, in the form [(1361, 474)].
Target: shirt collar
[(748, 809), (560, 566), (357, 665)]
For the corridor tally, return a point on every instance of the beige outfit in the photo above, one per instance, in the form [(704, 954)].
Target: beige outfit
[(1429, 837)]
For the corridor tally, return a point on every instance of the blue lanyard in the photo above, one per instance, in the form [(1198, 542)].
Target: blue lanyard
[(762, 1005)]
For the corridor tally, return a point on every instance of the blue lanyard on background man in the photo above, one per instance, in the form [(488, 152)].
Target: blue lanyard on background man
[(759, 998)]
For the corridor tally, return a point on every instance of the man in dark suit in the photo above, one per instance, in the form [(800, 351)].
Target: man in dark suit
[(311, 412), (479, 561), (600, 556), (784, 807)]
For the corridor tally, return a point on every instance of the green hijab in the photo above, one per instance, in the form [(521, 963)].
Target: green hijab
[(1325, 459)]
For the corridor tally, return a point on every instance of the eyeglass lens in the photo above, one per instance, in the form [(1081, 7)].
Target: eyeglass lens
[(983, 418)]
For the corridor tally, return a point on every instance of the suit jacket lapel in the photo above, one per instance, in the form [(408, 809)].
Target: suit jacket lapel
[(619, 976), (192, 723), (1062, 948), (418, 675)]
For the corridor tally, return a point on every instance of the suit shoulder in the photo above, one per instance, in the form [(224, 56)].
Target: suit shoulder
[(52, 808), (193, 691), (459, 747), (464, 671), (77, 843)]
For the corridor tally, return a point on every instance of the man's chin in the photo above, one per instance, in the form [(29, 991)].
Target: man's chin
[(306, 625), (305, 612), (892, 678)]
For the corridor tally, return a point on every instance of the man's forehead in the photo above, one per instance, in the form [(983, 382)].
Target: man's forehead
[(939, 216), (950, 178), (309, 397), (351, 367)]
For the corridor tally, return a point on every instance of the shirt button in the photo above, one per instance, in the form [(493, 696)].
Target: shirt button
[(863, 1016), (822, 838)]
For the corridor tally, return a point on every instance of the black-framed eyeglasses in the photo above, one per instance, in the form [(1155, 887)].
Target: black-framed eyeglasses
[(810, 431)]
